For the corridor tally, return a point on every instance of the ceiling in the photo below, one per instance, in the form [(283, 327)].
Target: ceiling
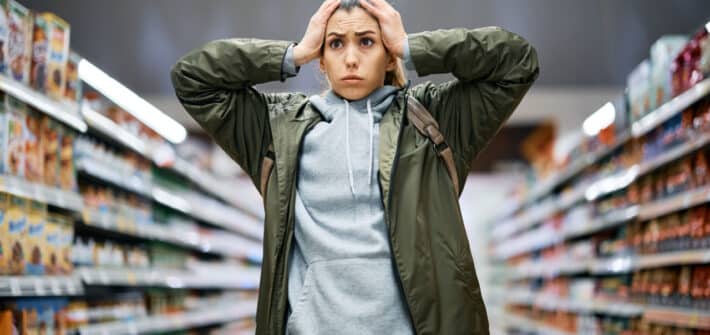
[(580, 43)]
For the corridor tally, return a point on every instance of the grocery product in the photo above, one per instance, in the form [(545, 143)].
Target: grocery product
[(52, 230), (65, 240), (73, 88), (36, 251), (663, 52), (19, 41), (4, 35), (58, 55), (67, 173), (49, 130), (637, 84), (41, 32), (15, 135), (34, 153), (17, 226), (4, 234)]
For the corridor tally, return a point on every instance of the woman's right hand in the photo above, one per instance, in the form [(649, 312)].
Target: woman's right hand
[(309, 47)]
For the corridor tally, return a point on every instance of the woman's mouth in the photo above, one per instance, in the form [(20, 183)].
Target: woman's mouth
[(351, 78)]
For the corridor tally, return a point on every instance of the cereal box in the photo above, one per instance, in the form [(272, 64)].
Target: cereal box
[(66, 237), (36, 240), (34, 155), (72, 89), (58, 55), (14, 126), (4, 235), (19, 41), (40, 52), (67, 173), (4, 34), (52, 232), (49, 130), (17, 226)]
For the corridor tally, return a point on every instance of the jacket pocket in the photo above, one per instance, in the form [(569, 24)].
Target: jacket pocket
[(350, 296)]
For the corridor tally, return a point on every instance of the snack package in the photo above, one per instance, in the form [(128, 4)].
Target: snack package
[(19, 42), (15, 135), (4, 235), (49, 130), (663, 52), (52, 231), (58, 55), (67, 173), (638, 84), (4, 35), (41, 31), (36, 240), (17, 225), (34, 155), (64, 246), (73, 88)]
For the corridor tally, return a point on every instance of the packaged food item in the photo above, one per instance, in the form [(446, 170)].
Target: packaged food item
[(40, 53), (73, 88), (638, 84), (4, 35), (17, 213), (49, 130), (66, 237), (4, 235), (6, 322), (14, 154), (58, 55), (686, 68), (34, 155), (19, 41), (663, 52), (36, 239), (67, 172), (52, 230)]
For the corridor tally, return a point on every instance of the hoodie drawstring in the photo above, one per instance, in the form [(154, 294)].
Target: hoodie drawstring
[(347, 144)]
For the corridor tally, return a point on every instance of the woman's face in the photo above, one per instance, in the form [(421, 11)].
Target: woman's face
[(354, 58)]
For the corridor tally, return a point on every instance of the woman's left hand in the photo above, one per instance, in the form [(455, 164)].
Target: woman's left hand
[(393, 33)]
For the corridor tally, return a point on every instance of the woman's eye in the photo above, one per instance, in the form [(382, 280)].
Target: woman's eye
[(334, 44), (367, 42)]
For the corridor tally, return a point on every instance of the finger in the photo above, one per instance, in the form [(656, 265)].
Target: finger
[(370, 8), (329, 7)]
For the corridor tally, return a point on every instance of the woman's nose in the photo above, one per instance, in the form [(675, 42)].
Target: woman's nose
[(351, 58)]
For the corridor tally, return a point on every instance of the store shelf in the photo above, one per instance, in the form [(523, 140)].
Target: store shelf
[(551, 302), (176, 235), (625, 264), (608, 220), (675, 203), (238, 278), (670, 109), (35, 286), (178, 321), (53, 196), (64, 112), (129, 182), (113, 131), (519, 322), (551, 268), (678, 317)]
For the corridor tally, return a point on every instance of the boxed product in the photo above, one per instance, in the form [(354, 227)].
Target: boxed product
[(638, 84), (67, 173), (50, 52), (4, 235), (52, 229), (17, 225), (49, 130), (4, 35), (663, 52), (34, 155), (64, 246), (15, 135), (72, 88), (19, 41), (36, 240)]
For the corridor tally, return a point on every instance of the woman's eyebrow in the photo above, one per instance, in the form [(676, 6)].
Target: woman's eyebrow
[(357, 33)]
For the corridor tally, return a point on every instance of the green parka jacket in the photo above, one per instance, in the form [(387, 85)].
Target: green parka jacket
[(493, 69)]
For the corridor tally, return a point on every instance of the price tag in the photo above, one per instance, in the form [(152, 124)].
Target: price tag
[(39, 287), (15, 287), (54, 286)]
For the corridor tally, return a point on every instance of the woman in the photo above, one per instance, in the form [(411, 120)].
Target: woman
[(363, 232)]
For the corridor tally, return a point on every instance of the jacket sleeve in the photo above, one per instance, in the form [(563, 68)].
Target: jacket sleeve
[(214, 84), (494, 69)]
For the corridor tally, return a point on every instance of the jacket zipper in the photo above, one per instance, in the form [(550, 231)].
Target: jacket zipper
[(389, 207)]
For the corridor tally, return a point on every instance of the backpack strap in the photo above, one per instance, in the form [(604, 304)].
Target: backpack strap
[(420, 117), (267, 165)]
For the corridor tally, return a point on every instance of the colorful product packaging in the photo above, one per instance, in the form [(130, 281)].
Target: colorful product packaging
[(4, 235), (17, 225), (4, 35), (638, 84), (49, 130), (36, 239), (64, 246), (67, 172), (58, 55), (15, 135), (52, 231), (19, 42), (40, 53), (663, 52), (73, 89), (34, 153)]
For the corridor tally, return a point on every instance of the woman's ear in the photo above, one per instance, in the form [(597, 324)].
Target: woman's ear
[(391, 62), (321, 65)]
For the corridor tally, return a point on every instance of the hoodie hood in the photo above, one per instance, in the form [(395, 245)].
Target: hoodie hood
[(331, 105)]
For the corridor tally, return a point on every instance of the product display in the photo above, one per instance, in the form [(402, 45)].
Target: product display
[(620, 245)]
